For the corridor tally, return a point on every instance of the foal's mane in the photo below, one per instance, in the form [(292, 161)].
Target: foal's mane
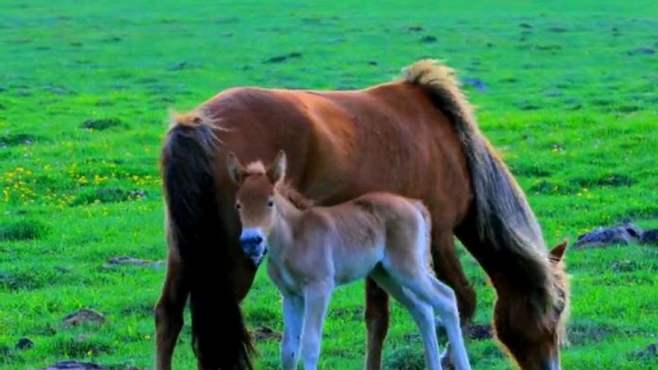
[(295, 197), (284, 188)]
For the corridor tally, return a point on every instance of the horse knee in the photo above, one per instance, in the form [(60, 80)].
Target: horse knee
[(311, 351), (166, 317), (466, 301), (160, 314), (448, 305)]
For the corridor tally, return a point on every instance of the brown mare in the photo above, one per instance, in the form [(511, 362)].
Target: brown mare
[(312, 250), (416, 137)]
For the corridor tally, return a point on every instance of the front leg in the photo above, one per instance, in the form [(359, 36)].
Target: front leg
[(316, 297), (293, 320), (377, 315)]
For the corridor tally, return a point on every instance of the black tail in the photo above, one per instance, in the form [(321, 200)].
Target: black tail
[(219, 337)]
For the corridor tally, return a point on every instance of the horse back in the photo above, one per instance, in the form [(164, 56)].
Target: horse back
[(342, 144)]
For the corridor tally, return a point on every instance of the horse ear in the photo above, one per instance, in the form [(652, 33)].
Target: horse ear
[(277, 170), (557, 252), (235, 168)]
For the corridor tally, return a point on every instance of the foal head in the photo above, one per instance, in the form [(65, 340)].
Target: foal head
[(254, 201), (532, 327)]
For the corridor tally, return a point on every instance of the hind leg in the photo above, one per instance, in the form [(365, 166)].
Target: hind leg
[(377, 316), (422, 313), (443, 299), (169, 311)]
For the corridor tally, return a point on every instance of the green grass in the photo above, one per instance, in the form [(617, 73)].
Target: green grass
[(566, 90)]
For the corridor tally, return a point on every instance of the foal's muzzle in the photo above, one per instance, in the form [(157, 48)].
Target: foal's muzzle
[(253, 245)]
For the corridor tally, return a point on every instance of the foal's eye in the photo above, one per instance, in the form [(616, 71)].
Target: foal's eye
[(270, 203), (237, 206)]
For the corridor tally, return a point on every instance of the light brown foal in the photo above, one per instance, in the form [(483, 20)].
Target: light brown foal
[(314, 249)]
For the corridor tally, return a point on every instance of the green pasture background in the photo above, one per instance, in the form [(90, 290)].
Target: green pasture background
[(567, 90)]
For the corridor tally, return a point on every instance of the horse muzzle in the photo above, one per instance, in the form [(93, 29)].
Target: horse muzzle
[(551, 364), (253, 245)]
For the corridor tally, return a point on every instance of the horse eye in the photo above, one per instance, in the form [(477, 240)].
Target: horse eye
[(270, 203), (237, 206)]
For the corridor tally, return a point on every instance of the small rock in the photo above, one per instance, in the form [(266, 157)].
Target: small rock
[(112, 39), (179, 66), (476, 83), (84, 316), (428, 39), (649, 352), (137, 194), (479, 331), (75, 365), (131, 261), (283, 58), (601, 237), (649, 237), (266, 333), (101, 123), (125, 260), (641, 51), (24, 343)]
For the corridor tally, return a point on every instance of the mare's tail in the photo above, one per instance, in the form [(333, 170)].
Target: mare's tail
[(219, 337)]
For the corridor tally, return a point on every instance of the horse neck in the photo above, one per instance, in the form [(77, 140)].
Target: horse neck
[(511, 276), (287, 217)]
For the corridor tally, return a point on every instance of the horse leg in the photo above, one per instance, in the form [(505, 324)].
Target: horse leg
[(377, 315), (316, 299), (293, 316), (444, 301), (449, 270), (169, 311), (422, 313)]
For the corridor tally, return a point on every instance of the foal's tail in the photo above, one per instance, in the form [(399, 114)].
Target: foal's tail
[(219, 337), (427, 231)]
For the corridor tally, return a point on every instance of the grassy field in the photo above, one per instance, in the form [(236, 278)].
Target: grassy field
[(566, 90)]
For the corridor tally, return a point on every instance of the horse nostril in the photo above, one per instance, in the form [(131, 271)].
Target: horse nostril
[(252, 241)]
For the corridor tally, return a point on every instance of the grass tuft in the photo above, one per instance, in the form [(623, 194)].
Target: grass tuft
[(22, 230)]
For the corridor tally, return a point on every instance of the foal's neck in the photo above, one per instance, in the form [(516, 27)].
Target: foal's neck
[(285, 220)]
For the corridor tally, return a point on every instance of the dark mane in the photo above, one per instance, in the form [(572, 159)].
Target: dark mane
[(295, 197)]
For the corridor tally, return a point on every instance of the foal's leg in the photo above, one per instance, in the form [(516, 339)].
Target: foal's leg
[(316, 298), (377, 315), (422, 313), (169, 311), (293, 320), (443, 298)]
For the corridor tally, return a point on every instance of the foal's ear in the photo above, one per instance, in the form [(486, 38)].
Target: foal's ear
[(557, 252), (277, 170), (235, 168)]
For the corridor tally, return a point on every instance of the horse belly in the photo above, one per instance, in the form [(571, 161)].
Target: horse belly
[(354, 263)]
